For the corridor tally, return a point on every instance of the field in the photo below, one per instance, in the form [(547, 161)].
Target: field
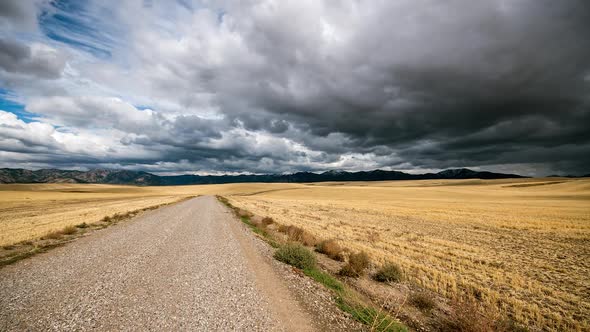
[(519, 245), (29, 211)]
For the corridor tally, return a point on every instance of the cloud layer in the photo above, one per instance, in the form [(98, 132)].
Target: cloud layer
[(278, 86)]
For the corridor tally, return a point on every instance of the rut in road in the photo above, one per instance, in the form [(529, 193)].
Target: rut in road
[(184, 267)]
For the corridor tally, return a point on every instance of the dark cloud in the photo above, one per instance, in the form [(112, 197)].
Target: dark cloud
[(39, 61), (485, 83), (310, 85), (18, 14)]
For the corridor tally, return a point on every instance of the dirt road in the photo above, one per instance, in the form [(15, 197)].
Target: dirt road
[(189, 266)]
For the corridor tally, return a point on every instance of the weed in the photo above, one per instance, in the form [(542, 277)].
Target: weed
[(267, 221), (389, 272), (298, 234), (356, 266), (331, 248), (296, 255), (422, 300), (55, 235), (69, 230), (468, 317), (377, 320)]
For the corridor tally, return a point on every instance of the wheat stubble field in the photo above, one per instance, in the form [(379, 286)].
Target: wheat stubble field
[(29, 211), (522, 246)]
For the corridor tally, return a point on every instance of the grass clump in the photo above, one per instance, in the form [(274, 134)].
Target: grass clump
[(325, 279), (267, 221), (422, 301), (377, 320), (331, 248), (356, 266), (389, 272), (69, 230), (298, 234), (296, 255), (55, 235)]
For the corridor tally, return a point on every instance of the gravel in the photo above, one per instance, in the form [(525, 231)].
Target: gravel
[(177, 268)]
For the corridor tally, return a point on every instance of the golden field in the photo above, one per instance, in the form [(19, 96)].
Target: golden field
[(522, 246), (30, 211)]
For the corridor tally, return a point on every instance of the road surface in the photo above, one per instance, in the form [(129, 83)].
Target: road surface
[(189, 266)]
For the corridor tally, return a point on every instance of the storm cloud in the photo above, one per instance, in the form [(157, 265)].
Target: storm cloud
[(264, 86)]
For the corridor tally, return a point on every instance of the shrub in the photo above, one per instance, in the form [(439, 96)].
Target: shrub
[(298, 234), (55, 235), (296, 255), (422, 301), (331, 248), (244, 213), (468, 316), (389, 272), (69, 230), (267, 221), (356, 266)]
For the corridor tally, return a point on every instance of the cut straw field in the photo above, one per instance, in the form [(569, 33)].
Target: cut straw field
[(30, 211), (522, 246)]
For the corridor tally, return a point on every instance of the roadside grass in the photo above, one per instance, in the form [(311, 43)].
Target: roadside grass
[(389, 272), (21, 250), (376, 319), (297, 255)]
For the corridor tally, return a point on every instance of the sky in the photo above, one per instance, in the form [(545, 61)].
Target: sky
[(276, 86)]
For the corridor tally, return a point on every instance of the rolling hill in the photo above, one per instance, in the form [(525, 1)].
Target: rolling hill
[(106, 176)]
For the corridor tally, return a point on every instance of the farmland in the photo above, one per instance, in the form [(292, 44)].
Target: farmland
[(522, 246)]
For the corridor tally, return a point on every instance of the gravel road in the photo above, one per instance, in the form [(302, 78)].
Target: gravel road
[(184, 267)]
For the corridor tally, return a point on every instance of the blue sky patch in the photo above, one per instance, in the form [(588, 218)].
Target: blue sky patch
[(8, 104), (72, 23)]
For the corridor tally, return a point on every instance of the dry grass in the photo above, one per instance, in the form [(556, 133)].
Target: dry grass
[(332, 249), (356, 265), (298, 234), (43, 210), (422, 301), (521, 246)]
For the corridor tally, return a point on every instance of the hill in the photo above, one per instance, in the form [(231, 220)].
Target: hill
[(106, 176)]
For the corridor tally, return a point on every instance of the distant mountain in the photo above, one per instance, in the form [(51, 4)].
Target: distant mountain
[(105, 176), (10, 175)]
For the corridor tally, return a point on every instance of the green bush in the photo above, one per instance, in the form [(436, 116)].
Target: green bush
[(389, 272), (296, 255)]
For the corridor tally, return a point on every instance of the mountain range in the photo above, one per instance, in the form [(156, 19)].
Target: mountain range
[(108, 176)]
